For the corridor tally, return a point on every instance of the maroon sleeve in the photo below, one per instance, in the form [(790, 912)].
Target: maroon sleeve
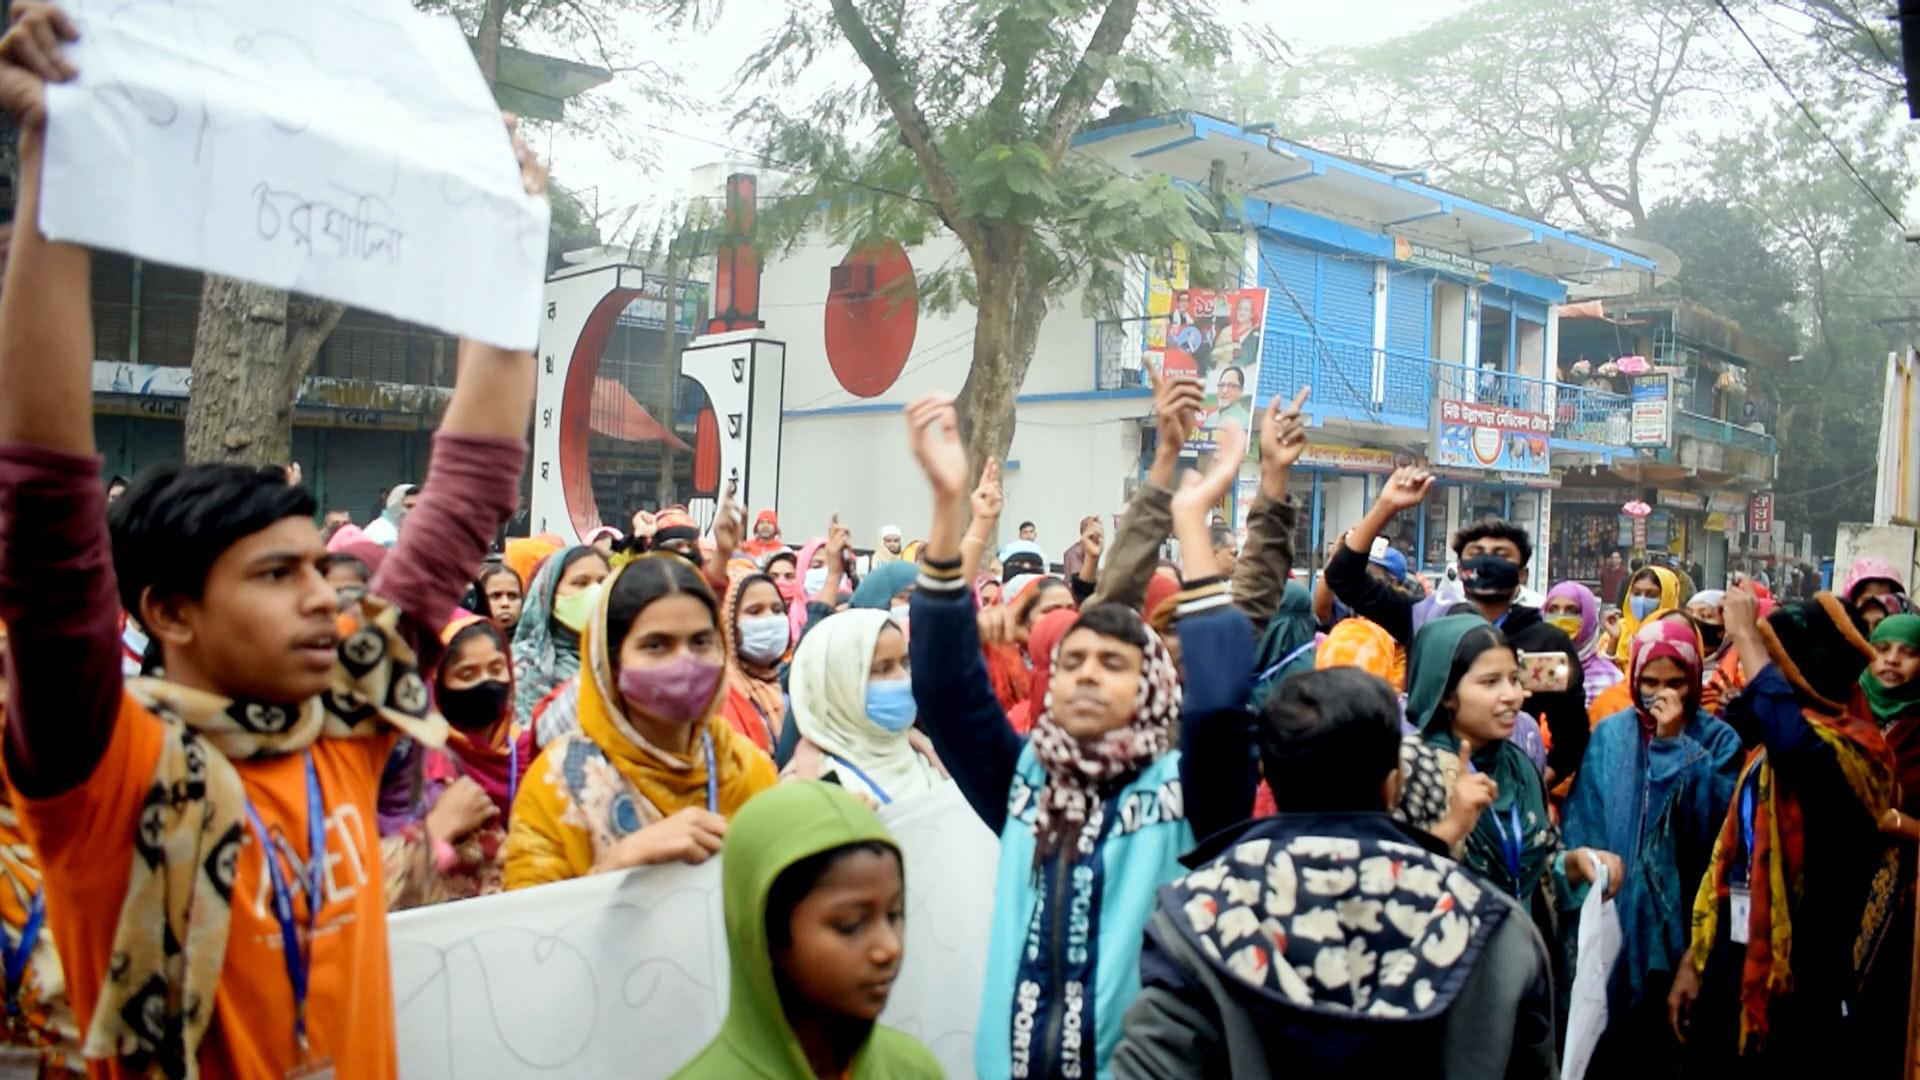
[(472, 488), (58, 599)]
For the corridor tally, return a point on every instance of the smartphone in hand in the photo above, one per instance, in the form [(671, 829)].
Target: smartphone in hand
[(1545, 672)]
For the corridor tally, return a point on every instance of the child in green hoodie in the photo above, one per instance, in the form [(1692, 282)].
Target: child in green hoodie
[(815, 900)]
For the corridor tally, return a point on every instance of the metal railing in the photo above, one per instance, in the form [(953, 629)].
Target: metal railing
[(1725, 432), (1400, 389)]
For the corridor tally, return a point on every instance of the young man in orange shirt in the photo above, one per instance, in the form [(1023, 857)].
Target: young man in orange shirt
[(210, 852)]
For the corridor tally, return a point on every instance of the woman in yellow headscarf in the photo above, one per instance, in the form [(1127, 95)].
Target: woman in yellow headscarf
[(654, 771), (1651, 589)]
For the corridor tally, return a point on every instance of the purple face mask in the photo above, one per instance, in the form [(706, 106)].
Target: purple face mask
[(677, 691)]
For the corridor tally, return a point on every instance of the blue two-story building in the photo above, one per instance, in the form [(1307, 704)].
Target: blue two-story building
[(1426, 324)]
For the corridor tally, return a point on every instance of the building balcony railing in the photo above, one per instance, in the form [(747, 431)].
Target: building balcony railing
[(1400, 389), (1693, 425)]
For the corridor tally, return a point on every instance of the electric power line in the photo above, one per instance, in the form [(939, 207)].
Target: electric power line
[(1845, 161)]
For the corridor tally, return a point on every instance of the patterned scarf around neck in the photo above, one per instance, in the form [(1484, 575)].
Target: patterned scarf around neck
[(171, 939), (1777, 860), (1080, 771)]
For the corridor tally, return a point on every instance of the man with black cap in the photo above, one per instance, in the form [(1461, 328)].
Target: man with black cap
[(1493, 558)]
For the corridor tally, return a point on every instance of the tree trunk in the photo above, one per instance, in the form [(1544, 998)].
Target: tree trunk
[(491, 18), (1005, 333), (670, 373), (251, 350)]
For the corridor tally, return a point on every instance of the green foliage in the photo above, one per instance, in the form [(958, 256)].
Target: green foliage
[(1853, 273), (984, 78), (1727, 266)]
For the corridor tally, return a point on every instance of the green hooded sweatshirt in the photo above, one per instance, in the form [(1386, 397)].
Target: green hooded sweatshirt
[(774, 830)]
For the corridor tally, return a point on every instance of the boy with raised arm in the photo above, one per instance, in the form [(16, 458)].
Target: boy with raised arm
[(209, 842)]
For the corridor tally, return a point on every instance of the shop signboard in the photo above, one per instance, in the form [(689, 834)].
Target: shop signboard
[(1727, 502), (1716, 521), (1760, 512), (1433, 258), (1679, 500), (1350, 459), (1652, 411), (1595, 496), (1490, 438)]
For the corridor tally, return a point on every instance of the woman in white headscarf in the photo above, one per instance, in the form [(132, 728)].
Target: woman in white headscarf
[(888, 549), (853, 704), (385, 529)]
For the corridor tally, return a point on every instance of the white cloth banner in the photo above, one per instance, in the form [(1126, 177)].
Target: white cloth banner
[(347, 149), (626, 974), (1599, 944)]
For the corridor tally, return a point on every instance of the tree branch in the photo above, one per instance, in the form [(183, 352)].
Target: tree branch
[(890, 80), (1089, 75)]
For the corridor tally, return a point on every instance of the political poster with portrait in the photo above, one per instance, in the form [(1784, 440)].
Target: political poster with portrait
[(1215, 335)]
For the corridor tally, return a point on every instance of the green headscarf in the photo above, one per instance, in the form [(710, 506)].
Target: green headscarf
[(1436, 648), (1889, 702), (774, 830), (1284, 648)]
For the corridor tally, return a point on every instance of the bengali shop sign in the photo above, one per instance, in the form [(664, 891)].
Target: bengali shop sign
[(1493, 438), (1652, 416)]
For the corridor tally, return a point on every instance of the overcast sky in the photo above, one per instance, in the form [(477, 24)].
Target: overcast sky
[(706, 63)]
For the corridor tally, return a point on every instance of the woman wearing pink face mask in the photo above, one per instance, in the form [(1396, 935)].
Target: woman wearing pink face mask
[(654, 771)]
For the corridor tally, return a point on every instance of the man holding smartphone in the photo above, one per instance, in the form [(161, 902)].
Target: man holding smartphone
[(1493, 558)]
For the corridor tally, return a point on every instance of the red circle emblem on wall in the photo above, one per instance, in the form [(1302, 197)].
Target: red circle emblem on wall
[(873, 310)]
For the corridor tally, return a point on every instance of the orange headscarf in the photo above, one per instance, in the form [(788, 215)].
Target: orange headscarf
[(1363, 643), (524, 555)]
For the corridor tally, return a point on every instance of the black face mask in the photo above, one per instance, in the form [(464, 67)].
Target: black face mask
[(477, 707), (1711, 635), (1489, 577)]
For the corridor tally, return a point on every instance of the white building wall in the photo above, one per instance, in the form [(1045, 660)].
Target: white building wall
[(848, 455)]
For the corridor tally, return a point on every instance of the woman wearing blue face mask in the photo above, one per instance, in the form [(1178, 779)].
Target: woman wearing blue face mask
[(853, 705)]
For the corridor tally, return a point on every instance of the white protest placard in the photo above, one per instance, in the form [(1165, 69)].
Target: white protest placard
[(1599, 945), (349, 149), (626, 974)]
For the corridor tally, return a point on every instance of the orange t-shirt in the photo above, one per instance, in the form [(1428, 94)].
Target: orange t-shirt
[(85, 839)]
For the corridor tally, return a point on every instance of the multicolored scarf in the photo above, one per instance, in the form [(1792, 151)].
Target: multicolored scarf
[(545, 654), (171, 939), (1777, 859), (1078, 770), (1665, 638), (759, 683)]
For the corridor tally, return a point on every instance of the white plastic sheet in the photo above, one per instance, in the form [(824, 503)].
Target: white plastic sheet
[(347, 149), (626, 974), (1599, 943)]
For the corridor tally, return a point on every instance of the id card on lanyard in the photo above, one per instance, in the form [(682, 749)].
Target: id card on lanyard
[(1740, 875), (295, 947), (1512, 836)]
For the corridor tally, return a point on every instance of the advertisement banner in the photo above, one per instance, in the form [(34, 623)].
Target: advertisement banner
[(1760, 512), (1652, 411), (1492, 438)]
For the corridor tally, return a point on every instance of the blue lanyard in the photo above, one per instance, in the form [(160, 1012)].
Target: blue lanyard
[(1746, 829), (16, 957), (864, 778), (1287, 659), (292, 949), (713, 778), (1511, 842), (513, 769)]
